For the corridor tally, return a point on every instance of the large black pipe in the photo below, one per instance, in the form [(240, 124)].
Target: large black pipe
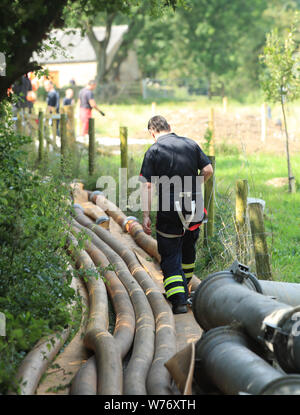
[(285, 292), (221, 299), (226, 358)]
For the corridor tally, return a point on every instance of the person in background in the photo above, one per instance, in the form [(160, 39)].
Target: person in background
[(68, 99), (21, 88), (52, 101), (52, 98), (87, 103)]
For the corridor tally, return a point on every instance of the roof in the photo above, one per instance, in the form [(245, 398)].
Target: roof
[(78, 48)]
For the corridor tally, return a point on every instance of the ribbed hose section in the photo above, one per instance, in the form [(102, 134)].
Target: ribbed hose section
[(125, 317), (97, 337), (85, 381), (143, 348), (159, 379), (37, 361), (145, 241)]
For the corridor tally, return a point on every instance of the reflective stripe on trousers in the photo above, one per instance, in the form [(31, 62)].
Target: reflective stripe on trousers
[(173, 252)]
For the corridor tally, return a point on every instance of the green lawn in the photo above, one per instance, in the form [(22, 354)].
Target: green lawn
[(282, 212)]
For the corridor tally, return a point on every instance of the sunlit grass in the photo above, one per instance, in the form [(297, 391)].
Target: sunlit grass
[(282, 212)]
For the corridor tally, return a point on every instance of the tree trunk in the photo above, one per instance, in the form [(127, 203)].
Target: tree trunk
[(292, 183), (136, 25), (100, 47)]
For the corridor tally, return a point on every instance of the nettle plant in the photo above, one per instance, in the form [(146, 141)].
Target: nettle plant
[(281, 80)]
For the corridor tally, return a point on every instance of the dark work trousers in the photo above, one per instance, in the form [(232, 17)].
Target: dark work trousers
[(177, 263)]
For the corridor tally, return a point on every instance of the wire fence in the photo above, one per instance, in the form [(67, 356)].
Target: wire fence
[(228, 242)]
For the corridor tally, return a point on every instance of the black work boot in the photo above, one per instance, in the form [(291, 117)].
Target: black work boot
[(179, 308)]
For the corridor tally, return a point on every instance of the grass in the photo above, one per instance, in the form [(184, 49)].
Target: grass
[(282, 219)]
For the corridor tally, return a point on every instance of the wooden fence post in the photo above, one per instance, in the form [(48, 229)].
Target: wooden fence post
[(54, 131), (63, 142), (41, 136), (263, 269), (19, 123), (124, 147), (91, 146), (209, 201), (211, 126), (69, 110), (241, 194)]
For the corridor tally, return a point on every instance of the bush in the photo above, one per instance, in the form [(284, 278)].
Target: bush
[(34, 290)]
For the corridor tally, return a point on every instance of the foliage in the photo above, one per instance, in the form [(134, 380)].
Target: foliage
[(282, 79), (205, 39), (281, 59), (208, 136), (34, 281), (131, 12), (24, 25)]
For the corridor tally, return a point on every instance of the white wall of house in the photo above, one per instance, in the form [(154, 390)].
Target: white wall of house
[(81, 72)]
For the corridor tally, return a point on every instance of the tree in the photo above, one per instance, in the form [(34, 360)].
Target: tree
[(134, 15), (212, 40), (25, 24), (281, 82), (100, 46)]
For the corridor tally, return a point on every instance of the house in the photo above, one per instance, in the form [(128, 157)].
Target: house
[(78, 61)]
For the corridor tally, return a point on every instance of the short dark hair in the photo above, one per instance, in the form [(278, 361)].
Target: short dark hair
[(158, 124), (92, 82)]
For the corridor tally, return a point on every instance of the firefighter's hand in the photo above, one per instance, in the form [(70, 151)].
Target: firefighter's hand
[(147, 225)]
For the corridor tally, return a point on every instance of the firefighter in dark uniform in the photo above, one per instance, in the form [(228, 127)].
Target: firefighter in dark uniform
[(168, 164)]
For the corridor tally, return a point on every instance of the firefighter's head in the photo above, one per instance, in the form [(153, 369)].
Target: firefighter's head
[(157, 126)]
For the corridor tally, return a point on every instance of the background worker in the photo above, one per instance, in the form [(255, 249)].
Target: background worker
[(52, 97), (21, 88), (177, 229), (68, 99), (87, 103), (52, 102)]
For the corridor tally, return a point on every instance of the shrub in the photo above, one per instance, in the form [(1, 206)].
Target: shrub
[(34, 290)]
